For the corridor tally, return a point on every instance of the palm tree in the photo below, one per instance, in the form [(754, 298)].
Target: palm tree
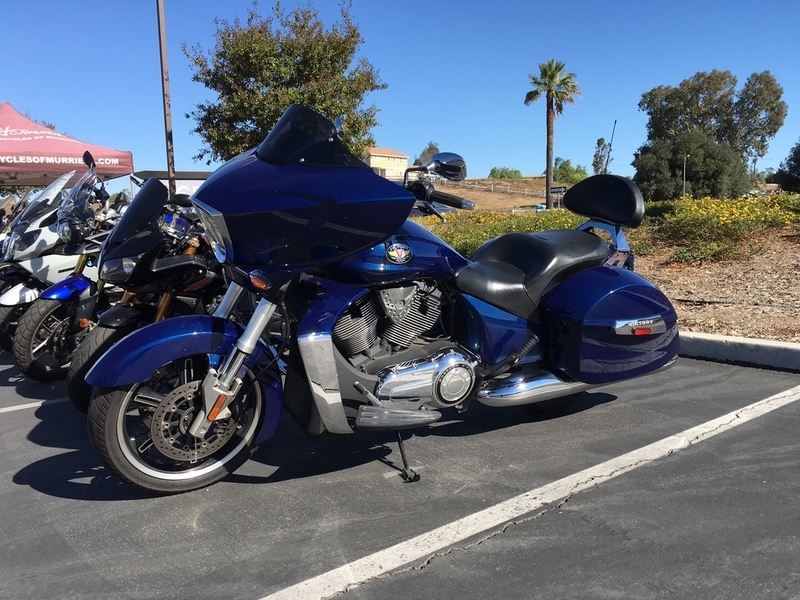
[(558, 87)]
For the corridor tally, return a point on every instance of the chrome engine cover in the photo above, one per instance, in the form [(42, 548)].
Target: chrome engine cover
[(442, 379)]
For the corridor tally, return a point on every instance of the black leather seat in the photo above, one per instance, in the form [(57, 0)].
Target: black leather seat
[(513, 271)]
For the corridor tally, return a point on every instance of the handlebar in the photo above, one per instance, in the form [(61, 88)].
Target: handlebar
[(425, 191), (450, 200)]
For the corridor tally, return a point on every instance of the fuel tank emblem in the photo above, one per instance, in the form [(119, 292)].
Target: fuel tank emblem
[(398, 254)]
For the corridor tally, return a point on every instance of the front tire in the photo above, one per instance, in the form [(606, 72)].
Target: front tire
[(139, 431), (9, 317), (43, 343), (92, 347)]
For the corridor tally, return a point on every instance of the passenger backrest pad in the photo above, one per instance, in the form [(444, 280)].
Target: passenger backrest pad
[(609, 198)]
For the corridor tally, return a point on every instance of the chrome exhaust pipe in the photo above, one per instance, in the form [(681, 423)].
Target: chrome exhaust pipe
[(528, 388)]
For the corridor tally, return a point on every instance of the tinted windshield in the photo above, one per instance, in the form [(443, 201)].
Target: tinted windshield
[(46, 200), (78, 205), (302, 135), (143, 211)]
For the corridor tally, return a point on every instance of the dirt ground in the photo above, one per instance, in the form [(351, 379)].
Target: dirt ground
[(755, 297)]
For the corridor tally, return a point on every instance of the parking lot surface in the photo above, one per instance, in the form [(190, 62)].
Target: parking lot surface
[(707, 517)]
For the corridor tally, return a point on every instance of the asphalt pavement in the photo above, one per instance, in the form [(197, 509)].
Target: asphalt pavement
[(679, 484)]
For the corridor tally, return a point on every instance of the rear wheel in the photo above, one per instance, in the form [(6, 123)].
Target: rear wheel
[(92, 347), (43, 341), (140, 431)]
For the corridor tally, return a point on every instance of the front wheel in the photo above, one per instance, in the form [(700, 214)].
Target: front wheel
[(9, 317), (140, 431), (43, 341)]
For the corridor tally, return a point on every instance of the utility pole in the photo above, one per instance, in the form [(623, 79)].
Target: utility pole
[(684, 172), (162, 43)]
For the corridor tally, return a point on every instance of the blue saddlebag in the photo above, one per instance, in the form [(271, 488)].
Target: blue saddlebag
[(608, 324)]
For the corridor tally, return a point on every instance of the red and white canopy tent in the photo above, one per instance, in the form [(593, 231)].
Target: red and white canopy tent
[(32, 154)]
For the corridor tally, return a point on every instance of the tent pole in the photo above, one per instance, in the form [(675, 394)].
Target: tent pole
[(162, 42)]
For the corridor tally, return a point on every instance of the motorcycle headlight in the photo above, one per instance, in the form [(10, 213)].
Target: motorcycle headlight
[(20, 243), (71, 232), (8, 246), (117, 270), (64, 231)]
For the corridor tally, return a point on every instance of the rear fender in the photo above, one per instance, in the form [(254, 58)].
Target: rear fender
[(136, 356), (74, 287)]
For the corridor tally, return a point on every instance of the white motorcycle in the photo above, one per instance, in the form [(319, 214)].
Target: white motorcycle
[(39, 252)]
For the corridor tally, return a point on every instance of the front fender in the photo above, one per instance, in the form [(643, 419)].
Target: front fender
[(22, 293), (136, 356), (72, 288)]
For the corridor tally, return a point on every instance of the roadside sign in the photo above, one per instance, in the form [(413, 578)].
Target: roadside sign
[(558, 190)]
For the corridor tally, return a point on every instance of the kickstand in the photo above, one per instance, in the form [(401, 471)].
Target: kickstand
[(409, 474)]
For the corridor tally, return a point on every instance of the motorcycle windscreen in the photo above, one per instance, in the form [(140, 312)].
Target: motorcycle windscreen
[(45, 201), (142, 213), (301, 199)]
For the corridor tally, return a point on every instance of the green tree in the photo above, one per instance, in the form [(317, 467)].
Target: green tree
[(788, 175), (712, 169), (602, 157), (557, 87), (564, 172), (708, 103), (258, 69), (425, 157), (504, 173), (759, 112)]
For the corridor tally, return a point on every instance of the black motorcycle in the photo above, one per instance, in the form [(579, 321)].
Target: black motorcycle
[(158, 255)]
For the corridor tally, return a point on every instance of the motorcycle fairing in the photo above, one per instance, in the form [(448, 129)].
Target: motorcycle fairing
[(135, 357), (71, 288), (315, 343), (52, 268), (299, 201), (430, 257), (592, 324)]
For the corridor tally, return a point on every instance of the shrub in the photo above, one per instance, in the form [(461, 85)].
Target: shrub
[(695, 231), (505, 173), (468, 230)]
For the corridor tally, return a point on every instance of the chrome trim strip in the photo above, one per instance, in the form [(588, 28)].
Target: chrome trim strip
[(654, 324)]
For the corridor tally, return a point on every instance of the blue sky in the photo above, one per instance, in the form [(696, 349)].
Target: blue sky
[(457, 73)]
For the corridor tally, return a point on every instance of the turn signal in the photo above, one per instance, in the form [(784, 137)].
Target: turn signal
[(259, 281)]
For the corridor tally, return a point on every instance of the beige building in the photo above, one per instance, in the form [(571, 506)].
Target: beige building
[(387, 163)]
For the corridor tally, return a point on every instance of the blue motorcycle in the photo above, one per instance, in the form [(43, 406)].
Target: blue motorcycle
[(382, 324)]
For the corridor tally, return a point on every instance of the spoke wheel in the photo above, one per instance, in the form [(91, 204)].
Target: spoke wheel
[(43, 342), (140, 432)]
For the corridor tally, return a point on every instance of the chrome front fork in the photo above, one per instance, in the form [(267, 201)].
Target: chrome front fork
[(219, 388)]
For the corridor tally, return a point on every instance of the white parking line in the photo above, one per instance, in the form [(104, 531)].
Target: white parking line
[(427, 544), (31, 405)]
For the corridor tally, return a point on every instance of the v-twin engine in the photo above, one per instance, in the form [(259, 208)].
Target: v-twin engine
[(396, 335)]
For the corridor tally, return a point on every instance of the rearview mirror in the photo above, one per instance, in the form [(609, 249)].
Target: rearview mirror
[(448, 165)]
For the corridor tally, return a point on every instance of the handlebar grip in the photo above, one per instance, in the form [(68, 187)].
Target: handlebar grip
[(451, 200)]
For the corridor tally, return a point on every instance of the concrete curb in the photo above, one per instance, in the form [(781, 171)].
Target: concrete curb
[(767, 354)]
